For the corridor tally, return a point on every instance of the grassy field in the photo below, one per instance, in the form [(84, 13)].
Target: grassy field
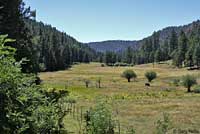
[(132, 103)]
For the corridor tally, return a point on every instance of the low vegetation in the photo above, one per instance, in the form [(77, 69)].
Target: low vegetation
[(164, 125), (99, 119)]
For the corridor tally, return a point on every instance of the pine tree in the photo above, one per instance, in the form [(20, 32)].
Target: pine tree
[(13, 14), (158, 55), (173, 43), (196, 56), (189, 57), (129, 55), (180, 53), (86, 58), (182, 46)]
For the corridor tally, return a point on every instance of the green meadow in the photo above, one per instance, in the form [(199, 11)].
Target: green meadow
[(133, 104)]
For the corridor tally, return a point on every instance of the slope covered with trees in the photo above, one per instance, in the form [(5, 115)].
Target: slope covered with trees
[(56, 50), (181, 44)]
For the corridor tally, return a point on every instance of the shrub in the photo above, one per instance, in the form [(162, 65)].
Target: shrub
[(87, 82), (129, 74), (100, 120), (42, 67), (188, 81), (102, 65), (130, 130), (197, 89), (121, 64), (163, 126), (98, 82), (151, 75), (176, 82)]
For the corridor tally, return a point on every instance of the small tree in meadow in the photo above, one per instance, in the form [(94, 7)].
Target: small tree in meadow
[(129, 74), (151, 75), (189, 81), (87, 82), (98, 82), (163, 126)]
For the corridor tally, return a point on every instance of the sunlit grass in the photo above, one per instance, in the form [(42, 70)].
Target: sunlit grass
[(138, 106)]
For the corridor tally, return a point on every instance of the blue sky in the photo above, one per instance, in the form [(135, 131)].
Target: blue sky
[(98, 20)]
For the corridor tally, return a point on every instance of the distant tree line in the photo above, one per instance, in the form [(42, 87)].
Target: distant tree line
[(183, 48)]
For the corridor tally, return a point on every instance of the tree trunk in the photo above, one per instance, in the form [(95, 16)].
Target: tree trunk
[(129, 80), (189, 89)]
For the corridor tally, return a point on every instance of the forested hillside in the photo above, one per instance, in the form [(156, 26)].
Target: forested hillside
[(181, 44), (56, 50)]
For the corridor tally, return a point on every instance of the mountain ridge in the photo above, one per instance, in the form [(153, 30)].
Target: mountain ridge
[(122, 45)]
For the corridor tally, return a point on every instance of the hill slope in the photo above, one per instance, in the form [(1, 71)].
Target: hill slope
[(120, 45), (113, 45)]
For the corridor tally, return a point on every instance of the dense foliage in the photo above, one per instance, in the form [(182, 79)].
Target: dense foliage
[(12, 15), (100, 119), (26, 107), (57, 50)]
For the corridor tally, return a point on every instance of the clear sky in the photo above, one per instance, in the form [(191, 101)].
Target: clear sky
[(98, 20)]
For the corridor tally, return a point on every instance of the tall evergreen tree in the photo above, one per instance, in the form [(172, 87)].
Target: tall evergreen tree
[(158, 55), (189, 57), (196, 55), (173, 43), (13, 13), (129, 55), (86, 58), (182, 46)]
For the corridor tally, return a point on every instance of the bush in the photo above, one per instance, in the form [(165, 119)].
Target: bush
[(87, 82), (99, 119), (98, 82), (102, 65), (121, 64), (151, 75), (130, 130), (176, 82), (129, 74), (197, 89), (163, 126), (188, 81)]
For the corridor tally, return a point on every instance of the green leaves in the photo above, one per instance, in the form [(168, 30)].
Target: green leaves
[(26, 107), (150, 75), (129, 74), (188, 81), (101, 121), (163, 126)]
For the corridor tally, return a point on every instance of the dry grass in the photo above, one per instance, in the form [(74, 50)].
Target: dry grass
[(138, 105)]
